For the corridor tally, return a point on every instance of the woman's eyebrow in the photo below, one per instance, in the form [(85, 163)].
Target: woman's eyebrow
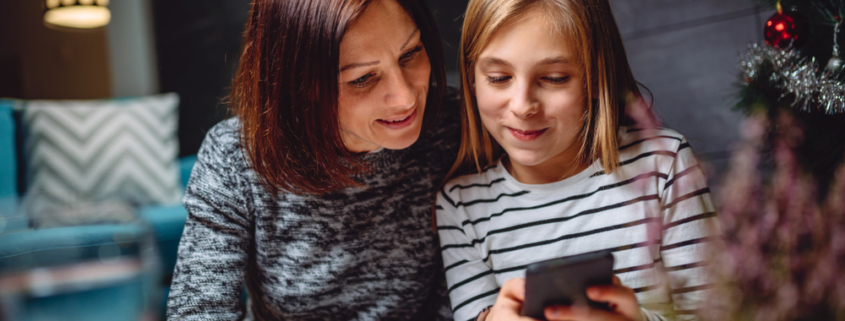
[(359, 64), (411, 37), (373, 63)]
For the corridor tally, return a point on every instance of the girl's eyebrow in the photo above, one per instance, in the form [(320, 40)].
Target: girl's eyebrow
[(493, 61), (548, 61), (555, 60)]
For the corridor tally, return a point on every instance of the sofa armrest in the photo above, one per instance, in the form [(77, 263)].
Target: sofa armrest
[(186, 165)]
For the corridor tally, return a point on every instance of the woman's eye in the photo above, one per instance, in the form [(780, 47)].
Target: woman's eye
[(498, 80), (556, 80), (408, 56), (362, 81)]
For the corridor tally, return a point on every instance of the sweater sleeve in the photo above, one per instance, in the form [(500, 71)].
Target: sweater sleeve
[(688, 218), (470, 280), (209, 272)]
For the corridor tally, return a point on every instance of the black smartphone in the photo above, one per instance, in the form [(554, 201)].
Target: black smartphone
[(563, 281)]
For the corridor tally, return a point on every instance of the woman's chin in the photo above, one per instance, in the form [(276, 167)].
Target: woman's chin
[(400, 142)]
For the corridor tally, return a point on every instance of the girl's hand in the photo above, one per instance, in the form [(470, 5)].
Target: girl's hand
[(623, 305), (509, 302)]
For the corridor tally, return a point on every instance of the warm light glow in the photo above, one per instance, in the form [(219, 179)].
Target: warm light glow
[(79, 17), (780, 27)]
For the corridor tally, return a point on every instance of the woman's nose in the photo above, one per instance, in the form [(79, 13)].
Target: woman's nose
[(522, 104), (400, 91)]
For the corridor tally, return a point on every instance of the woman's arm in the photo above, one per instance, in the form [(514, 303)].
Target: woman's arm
[(209, 272)]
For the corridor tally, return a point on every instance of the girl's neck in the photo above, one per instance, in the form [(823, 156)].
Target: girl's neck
[(553, 170)]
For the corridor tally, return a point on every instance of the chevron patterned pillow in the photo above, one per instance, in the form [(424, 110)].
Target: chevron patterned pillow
[(86, 151)]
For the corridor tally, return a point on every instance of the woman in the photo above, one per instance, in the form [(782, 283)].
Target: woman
[(317, 196)]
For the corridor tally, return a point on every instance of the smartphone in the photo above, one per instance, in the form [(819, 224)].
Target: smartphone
[(563, 281)]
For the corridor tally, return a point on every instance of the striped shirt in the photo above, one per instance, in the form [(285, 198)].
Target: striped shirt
[(654, 213)]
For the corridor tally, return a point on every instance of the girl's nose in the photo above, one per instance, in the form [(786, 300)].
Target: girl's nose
[(523, 105)]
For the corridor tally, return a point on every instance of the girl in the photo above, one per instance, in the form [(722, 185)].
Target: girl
[(559, 169), (316, 196)]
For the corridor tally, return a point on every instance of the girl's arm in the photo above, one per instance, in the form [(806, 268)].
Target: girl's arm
[(209, 272), (688, 222), (471, 284)]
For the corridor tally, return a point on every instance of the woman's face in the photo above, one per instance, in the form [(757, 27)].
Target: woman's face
[(529, 89), (384, 78)]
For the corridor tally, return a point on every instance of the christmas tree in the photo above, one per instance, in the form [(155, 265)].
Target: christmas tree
[(782, 201), (799, 70)]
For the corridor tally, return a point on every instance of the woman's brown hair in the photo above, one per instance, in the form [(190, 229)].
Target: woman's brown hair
[(589, 26), (285, 91)]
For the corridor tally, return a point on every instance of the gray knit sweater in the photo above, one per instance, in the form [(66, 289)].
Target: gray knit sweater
[(356, 254)]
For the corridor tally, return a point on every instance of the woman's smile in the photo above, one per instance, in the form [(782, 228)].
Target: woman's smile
[(399, 122)]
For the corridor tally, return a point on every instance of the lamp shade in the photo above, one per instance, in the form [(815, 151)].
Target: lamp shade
[(76, 14)]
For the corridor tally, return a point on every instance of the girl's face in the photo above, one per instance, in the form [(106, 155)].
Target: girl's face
[(383, 81), (529, 88)]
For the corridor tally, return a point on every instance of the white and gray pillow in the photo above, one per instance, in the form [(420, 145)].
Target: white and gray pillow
[(87, 151)]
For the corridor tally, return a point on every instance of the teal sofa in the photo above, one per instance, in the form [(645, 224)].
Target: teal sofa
[(22, 247)]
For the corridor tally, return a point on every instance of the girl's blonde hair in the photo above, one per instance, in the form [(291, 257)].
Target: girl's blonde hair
[(590, 28)]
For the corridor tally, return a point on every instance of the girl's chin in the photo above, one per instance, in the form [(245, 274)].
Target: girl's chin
[(526, 158)]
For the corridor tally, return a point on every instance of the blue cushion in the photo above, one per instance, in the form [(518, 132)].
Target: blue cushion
[(11, 218), (167, 223), (65, 245), (117, 301), (8, 157)]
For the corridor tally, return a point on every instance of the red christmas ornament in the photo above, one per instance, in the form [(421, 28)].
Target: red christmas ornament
[(783, 31)]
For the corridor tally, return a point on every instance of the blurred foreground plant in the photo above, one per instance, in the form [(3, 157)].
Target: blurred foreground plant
[(782, 254)]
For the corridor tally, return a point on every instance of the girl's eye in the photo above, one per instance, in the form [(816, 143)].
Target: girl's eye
[(362, 81), (498, 80), (556, 80), (410, 55)]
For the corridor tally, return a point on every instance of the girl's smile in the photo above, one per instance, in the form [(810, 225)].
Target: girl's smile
[(526, 135)]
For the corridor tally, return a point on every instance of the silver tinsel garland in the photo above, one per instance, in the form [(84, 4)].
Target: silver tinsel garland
[(798, 76)]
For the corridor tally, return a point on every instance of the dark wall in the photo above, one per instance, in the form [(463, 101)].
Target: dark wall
[(448, 14), (197, 44)]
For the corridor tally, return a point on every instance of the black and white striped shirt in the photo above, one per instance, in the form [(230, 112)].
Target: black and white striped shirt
[(654, 212)]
